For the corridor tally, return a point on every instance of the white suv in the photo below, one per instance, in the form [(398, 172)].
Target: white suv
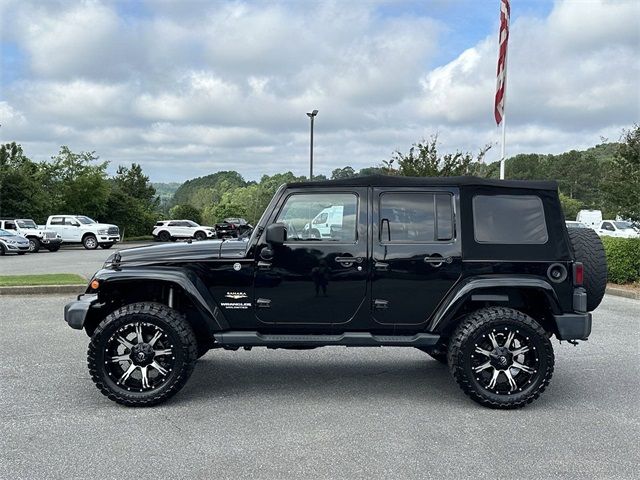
[(612, 228), (84, 230), (174, 229)]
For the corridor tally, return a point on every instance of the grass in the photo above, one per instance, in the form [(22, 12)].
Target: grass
[(141, 238), (45, 279)]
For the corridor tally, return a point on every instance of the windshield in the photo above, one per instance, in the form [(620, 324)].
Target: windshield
[(85, 220), (27, 224), (4, 233), (623, 225)]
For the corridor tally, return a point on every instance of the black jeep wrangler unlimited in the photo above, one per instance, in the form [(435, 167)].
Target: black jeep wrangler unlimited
[(479, 274)]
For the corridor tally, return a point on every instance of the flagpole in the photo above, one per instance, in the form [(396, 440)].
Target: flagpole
[(503, 146)]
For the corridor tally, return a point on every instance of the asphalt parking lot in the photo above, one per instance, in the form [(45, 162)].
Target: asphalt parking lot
[(329, 413), (69, 259)]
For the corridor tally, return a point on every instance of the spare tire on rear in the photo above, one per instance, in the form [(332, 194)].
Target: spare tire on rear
[(588, 250)]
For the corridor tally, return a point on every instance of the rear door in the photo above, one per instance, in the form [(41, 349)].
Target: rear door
[(416, 254)]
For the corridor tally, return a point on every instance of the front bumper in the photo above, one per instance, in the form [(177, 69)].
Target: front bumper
[(51, 241), (75, 313), (109, 238), (573, 326), (20, 247)]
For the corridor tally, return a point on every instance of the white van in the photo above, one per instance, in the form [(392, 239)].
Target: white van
[(328, 221), (591, 218)]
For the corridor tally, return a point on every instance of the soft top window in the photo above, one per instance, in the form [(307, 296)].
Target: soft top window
[(509, 219)]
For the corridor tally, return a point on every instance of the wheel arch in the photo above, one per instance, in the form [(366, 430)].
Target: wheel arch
[(176, 289), (532, 296)]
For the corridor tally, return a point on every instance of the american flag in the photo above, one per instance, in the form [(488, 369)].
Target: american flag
[(502, 61)]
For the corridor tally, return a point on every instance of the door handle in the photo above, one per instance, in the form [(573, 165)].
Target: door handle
[(437, 261), (263, 303), (381, 266), (349, 260), (380, 304), (264, 265)]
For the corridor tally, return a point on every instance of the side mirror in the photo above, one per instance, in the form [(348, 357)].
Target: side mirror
[(276, 234)]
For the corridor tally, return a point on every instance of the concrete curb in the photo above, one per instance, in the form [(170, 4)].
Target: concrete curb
[(622, 292), (43, 290)]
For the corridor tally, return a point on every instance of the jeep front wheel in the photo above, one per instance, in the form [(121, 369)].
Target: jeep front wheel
[(142, 354), (90, 242), (501, 358), (34, 245)]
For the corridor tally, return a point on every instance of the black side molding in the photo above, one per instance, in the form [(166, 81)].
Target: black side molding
[(349, 339)]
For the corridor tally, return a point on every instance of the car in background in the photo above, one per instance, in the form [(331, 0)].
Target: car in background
[(167, 230), (13, 243), (571, 224), (84, 230), (38, 237), (620, 229), (232, 227), (591, 218)]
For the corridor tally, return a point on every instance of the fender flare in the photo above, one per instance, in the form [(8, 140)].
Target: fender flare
[(189, 282), (446, 311)]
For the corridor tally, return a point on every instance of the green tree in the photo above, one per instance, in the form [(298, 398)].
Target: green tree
[(345, 172), (423, 160), (570, 206), (185, 212), (622, 183), (77, 183), (21, 185)]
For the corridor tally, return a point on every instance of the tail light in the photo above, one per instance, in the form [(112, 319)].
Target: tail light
[(578, 273)]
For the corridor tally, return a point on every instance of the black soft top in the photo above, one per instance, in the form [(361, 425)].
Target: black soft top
[(398, 181)]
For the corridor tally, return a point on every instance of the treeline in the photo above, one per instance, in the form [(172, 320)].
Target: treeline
[(76, 183), (605, 177)]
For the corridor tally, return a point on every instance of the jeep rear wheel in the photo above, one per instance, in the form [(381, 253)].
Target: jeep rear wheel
[(142, 354), (588, 250), (34, 244), (501, 358), (90, 242)]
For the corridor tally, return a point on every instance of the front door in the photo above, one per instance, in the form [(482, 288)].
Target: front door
[(416, 254), (318, 276)]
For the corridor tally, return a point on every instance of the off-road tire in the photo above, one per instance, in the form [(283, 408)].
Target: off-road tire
[(171, 322), (90, 242), (487, 320), (34, 245), (200, 236), (54, 248), (588, 249), (164, 236), (106, 246)]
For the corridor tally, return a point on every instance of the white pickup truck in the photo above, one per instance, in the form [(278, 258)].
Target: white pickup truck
[(84, 230), (614, 228)]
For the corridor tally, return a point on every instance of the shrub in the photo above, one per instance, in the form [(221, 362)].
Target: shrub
[(623, 259)]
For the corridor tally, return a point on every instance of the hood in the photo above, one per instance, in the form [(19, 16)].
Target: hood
[(183, 252), (98, 225), (15, 238)]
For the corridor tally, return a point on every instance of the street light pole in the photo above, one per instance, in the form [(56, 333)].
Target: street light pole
[(311, 115)]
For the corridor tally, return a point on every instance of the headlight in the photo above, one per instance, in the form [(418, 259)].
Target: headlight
[(103, 231)]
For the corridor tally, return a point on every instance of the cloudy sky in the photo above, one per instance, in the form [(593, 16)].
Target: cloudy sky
[(187, 88)]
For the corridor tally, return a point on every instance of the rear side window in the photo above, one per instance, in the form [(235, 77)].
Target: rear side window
[(416, 217), (509, 219)]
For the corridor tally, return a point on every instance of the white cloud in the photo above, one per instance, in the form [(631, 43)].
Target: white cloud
[(189, 87)]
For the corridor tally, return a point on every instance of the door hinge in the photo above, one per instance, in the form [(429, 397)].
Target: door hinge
[(380, 304)]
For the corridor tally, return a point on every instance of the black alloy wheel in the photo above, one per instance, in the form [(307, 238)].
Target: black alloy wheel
[(34, 245), (142, 354), (501, 357)]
